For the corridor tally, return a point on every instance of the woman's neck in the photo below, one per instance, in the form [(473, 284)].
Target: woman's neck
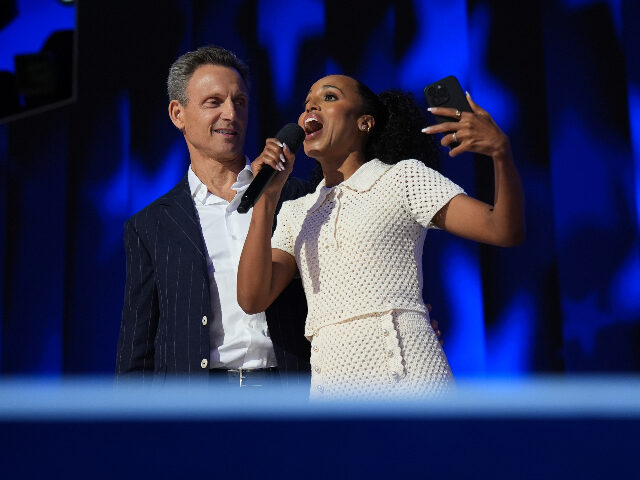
[(336, 171)]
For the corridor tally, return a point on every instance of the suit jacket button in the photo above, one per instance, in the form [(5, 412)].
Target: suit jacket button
[(204, 320), (204, 363)]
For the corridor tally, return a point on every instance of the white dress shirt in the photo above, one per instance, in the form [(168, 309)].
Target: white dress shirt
[(238, 340)]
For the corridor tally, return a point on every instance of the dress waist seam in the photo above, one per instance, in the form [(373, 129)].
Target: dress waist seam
[(309, 332)]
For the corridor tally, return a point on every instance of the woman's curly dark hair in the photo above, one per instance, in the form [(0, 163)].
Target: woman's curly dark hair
[(396, 135)]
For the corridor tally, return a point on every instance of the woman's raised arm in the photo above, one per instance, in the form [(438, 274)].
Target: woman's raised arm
[(263, 272), (503, 223)]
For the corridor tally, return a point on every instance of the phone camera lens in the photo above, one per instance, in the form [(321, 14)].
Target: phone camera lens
[(439, 94)]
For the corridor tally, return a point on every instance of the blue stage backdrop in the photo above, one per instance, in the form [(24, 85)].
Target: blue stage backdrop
[(561, 78)]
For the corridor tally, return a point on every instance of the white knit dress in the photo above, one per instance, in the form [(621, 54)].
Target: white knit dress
[(358, 247)]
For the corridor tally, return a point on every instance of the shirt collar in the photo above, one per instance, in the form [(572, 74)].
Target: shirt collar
[(366, 176), (362, 180), (200, 192)]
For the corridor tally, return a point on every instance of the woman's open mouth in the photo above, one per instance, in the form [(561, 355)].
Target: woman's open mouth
[(312, 126)]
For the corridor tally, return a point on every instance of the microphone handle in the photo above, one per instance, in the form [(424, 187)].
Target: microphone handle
[(256, 187)]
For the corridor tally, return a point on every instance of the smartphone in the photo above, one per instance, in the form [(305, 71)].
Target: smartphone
[(447, 93)]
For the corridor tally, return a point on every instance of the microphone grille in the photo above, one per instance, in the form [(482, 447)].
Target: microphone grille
[(292, 134)]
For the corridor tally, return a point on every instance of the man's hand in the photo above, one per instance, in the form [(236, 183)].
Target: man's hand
[(434, 325)]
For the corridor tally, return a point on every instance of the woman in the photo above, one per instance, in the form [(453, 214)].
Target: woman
[(357, 240)]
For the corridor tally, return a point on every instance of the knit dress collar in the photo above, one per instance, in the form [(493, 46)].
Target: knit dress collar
[(361, 181)]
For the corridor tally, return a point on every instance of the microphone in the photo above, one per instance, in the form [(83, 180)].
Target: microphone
[(291, 134)]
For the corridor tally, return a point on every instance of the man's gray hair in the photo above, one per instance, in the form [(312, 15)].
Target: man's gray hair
[(182, 69)]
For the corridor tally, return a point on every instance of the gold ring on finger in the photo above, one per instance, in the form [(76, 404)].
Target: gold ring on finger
[(458, 114)]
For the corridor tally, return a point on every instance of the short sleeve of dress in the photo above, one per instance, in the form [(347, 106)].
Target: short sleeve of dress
[(426, 191), (282, 238)]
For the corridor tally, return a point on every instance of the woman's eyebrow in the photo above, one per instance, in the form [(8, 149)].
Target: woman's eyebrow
[(324, 87)]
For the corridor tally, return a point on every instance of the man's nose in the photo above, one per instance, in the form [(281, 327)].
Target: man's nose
[(228, 109)]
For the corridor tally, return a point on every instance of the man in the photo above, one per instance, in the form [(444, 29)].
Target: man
[(180, 312)]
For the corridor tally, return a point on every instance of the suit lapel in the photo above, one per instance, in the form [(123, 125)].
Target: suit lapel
[(182, 217)]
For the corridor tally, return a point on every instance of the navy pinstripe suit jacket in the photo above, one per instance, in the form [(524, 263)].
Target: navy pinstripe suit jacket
[(167, 294)]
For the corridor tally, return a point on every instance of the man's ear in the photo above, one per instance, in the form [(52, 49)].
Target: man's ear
[(176, 113)]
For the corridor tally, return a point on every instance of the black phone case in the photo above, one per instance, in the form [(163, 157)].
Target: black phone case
[(446, 93)]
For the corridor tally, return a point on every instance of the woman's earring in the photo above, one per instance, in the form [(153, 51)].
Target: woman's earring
[(364, 128)]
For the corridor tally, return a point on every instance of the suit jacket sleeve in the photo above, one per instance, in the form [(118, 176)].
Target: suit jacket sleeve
[(136, 344)]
